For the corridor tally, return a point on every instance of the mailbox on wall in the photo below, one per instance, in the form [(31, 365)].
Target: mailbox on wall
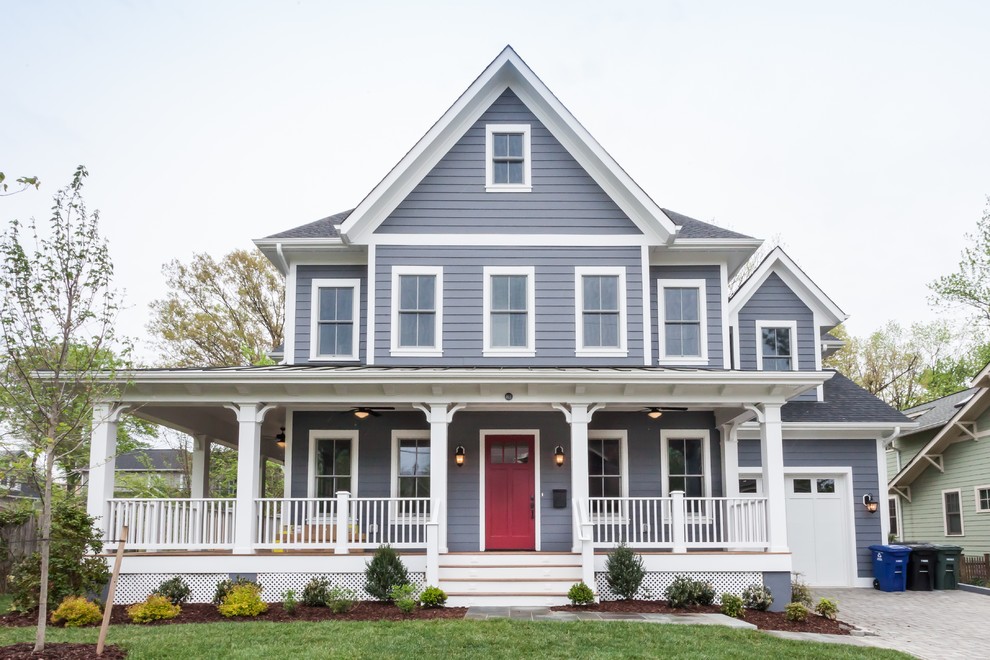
[(560, 498)]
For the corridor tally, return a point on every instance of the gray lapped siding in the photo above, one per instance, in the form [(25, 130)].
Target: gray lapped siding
[(451, 198), (463, 303), (713, 292), (861, 455), (304, 291)]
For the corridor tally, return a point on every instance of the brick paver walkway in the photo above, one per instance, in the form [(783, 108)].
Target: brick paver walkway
[(936, 625)]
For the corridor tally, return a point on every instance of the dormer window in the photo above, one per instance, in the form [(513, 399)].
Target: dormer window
[(507, 153), (776, 345)]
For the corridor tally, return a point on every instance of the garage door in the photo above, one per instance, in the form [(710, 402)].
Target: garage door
[(818, 528)]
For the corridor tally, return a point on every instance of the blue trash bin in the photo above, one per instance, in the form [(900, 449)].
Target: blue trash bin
[(890, 567)]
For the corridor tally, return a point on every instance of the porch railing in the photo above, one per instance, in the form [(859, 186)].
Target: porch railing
[(678, 522), (172, 524), (295, 522)]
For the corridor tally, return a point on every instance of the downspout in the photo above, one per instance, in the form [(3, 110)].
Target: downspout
[(283, 265)]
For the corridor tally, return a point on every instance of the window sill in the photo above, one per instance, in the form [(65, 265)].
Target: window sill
[(694, 359), (508, 188), (601, 352), (334, 358), (496, 352), (410, 352)]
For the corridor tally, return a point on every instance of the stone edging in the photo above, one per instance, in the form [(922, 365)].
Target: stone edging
[(973, 589)]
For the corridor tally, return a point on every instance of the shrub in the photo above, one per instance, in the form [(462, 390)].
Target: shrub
[(175, 589), (243, 600), (732, 605), (76, 611), (385, 571), (757, 597), (316, 591), (581, 594), (800, 592), (289, 602), (796, 612), (224, 587), (154, 608), (704, 593), (433, 597), (684, 592), (625, 572), (827, 608), (405, 597), (341, 600), (74, 570)]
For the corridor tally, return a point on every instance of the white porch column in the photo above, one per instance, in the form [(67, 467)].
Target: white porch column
[(439, 417), (102, 459), (772, 454), (730, 459), (249, 418), (199, 478), (578, 416)]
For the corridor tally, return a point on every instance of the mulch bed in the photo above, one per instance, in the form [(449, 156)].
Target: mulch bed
[(60, 650), (206, 613), (762, 620)]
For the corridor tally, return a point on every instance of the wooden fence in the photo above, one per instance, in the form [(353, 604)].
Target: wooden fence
[(976, 569), (15, 544)]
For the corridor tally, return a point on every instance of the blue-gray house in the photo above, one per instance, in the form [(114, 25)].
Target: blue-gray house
[(504, 361)]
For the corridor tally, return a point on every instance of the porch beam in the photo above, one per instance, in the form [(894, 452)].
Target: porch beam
[(772, 454)]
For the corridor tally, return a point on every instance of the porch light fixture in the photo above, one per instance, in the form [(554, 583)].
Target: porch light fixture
[(280, 439), (654, 413), (361, 413), (870, 503), (558, 455), (459, 455)]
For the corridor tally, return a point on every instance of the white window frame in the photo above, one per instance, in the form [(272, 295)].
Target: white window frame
[(516, 351), (397, 350), (314, 315), (623, 437), (897, 516), (325, 434), (662, 318), (945, 513), (792, 328), (976, 498), (397, 436), (685, 434), (580, 272), (527, 184)]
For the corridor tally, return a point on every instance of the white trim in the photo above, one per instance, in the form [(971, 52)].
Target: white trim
[(511, 239), (289, 332), (527, 184), (287, 460), (580, 272), (976, 499), (418, 351), (332, 434), (370, 328), (622, 436), (723, 270), (702, 315), (897, 517), (791, 326), (406, 434), (647, 306), (685, 434), (945, 518), (314, 313), (482, 454), (523, 351)]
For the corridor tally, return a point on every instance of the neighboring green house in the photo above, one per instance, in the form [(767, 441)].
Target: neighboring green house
[(940, 471)]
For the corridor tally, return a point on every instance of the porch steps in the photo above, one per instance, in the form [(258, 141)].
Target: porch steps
[(497, 579)]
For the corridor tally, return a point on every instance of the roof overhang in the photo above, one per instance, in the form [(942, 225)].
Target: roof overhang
[(733, 251), (285, 251)]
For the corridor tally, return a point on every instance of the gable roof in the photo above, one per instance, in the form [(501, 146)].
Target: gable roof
[(778, 262), (691, 228), (508, 71), (328, 227), (843, 401), (938, 412)]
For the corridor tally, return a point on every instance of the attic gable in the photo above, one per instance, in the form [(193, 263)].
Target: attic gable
[(507, 71)]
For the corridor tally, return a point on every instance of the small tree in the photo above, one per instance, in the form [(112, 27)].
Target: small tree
[(57, 319), (625, 572), (384, 572)]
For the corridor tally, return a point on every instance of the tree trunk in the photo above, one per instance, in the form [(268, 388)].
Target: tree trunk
[(46, 535)]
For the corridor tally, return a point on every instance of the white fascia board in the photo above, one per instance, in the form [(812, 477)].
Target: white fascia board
[(507, 71), (511, 240), (981, 379)]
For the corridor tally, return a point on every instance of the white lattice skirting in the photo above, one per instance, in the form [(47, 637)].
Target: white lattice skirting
[(135, 587), (655, 584)]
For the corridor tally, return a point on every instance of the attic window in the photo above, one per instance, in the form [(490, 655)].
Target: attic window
[(507, 158)]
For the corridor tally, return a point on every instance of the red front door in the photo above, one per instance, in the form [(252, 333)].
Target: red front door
[(510, 511)]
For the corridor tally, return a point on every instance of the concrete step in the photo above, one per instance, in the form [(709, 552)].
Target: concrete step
[(509, 559), (504, 586), (542, 572), (506, 599)]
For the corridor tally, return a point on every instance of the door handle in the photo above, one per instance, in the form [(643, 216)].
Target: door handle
[(532, 507)]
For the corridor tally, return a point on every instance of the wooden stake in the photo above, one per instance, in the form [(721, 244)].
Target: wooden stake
[(108, 608)]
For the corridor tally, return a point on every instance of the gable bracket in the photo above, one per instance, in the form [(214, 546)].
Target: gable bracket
[(903, 491), (936, 460), (969, 428)]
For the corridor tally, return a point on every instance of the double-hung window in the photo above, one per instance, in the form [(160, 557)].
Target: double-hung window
[(982, 494), (607, 471), (335, 319), (417, 310), (332, 463), (684, 464), (509, 322), (508, 164), (600, 311), (411, 472), (952, 512), (776, 345), (683, 321)]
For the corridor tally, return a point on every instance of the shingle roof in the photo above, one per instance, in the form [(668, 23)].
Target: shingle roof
[(845, 401), (327, 227), (165, 460), (691, 228), (938, 412)]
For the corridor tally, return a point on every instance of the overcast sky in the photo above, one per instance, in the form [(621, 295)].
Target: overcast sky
[(858, 132)]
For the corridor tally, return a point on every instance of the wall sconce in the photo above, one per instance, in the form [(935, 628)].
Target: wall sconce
[(654, 413), (280, 439), (459, 455), (558, 455), (870, 503)]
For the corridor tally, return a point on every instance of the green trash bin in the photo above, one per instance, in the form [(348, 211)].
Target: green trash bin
[(947, 566)]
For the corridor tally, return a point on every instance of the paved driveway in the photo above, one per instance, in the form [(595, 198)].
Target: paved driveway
[(936, 625)]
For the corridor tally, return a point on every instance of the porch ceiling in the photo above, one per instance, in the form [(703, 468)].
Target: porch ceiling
[(216, 422)]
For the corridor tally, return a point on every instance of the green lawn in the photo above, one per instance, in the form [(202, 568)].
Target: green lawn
[(448, 639)]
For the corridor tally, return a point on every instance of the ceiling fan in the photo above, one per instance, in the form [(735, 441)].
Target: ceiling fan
[(655, 412), (362, 412), (280, 437)]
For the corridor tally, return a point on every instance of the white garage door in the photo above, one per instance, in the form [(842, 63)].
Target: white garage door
[(818, 528)]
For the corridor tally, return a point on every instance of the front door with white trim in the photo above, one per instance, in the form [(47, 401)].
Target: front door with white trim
[(818, 528)]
